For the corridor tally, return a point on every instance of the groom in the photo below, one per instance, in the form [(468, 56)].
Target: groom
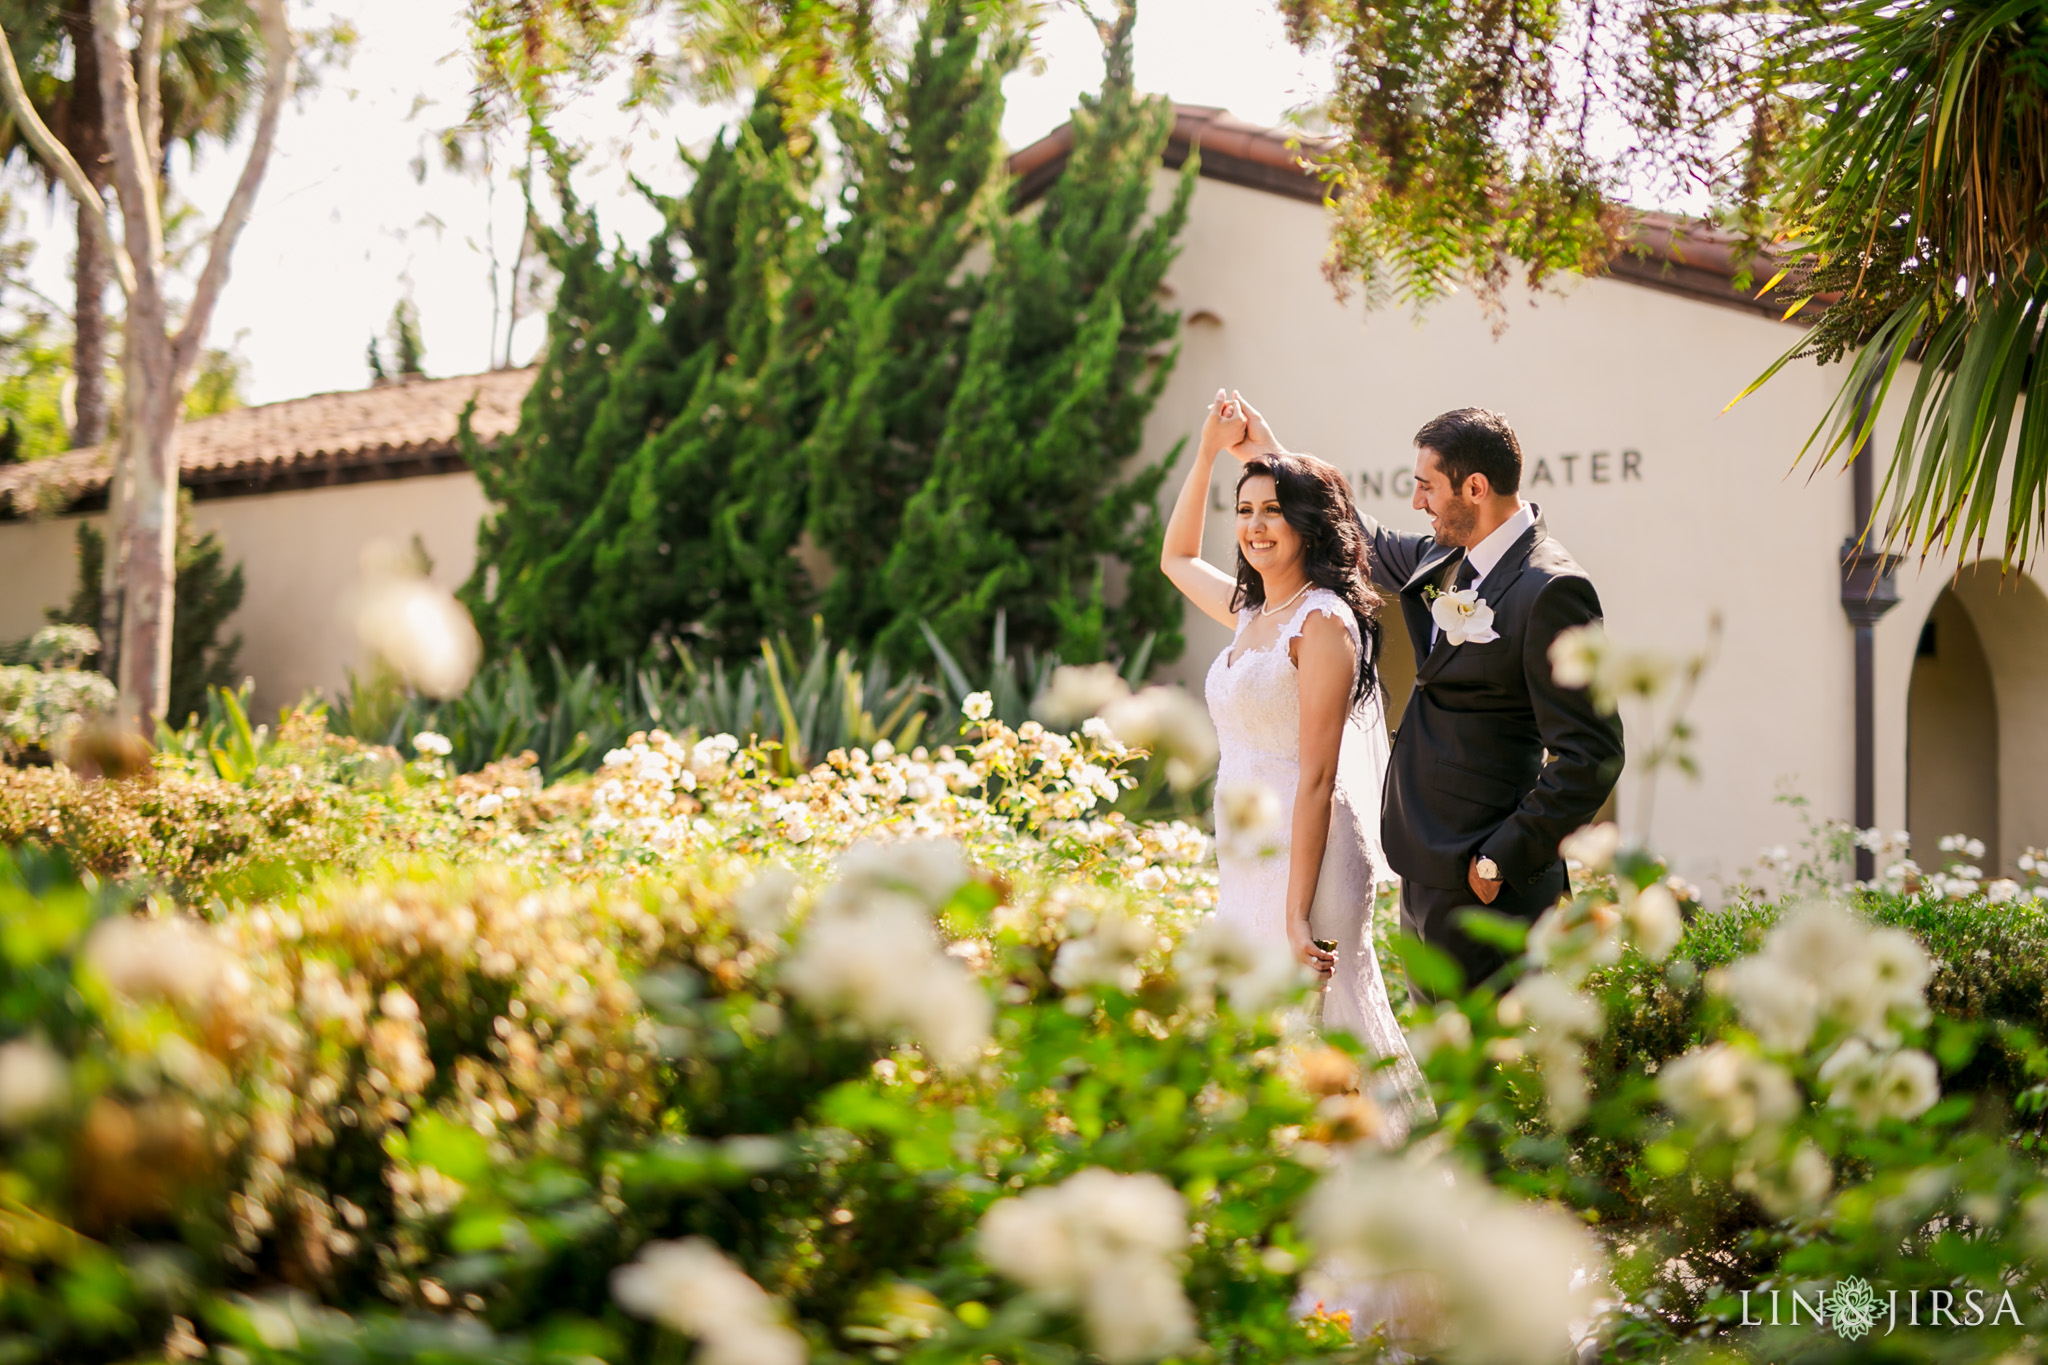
[(1494, 762)]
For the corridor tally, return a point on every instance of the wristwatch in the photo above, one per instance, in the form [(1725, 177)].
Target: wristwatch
[(1487, 868)]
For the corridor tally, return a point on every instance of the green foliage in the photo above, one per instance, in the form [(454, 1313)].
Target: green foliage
[(46, 696), (34, 361), (212, 60), (1919, 197), (463, 1047), (810, 55), (621, 494), (806, 703), (1889, 156), (1028, 498), (208, 592), (1477, 140), (778, 410), (217, 384)]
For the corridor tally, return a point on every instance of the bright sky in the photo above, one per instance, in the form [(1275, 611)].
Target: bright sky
[(342, 229)]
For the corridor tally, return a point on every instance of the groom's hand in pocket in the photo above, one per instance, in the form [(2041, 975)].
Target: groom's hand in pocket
[(1483, 888)]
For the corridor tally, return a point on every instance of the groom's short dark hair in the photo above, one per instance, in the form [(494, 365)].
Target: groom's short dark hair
[(1470, 441)]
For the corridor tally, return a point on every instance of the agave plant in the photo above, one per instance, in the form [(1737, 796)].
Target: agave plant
[(806, 703), (1013, 682)]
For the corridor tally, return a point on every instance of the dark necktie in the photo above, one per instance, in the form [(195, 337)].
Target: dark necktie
[(1463, 577)]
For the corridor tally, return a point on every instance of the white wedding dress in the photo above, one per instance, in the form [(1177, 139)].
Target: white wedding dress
[(1255, 702)]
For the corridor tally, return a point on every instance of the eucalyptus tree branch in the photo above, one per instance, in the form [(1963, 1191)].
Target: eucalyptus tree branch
[(53, 154), (149, 63), (135, 174), (280, 62)]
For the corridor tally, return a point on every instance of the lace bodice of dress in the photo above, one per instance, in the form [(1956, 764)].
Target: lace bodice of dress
[(1256, 701)]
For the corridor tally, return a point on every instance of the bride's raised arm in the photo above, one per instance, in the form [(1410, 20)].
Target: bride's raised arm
[(1180, 552)]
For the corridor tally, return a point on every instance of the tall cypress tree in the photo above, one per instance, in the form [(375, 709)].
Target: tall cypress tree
[(632, 344), (696, 528), (770, 371), (1028, 503), (925, 175)]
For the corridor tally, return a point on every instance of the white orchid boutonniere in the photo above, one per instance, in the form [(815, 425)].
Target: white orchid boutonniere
[(1463, 616)]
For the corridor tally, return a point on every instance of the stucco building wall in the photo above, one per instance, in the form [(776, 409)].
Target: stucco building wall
[(1681, 512), (300, 553)]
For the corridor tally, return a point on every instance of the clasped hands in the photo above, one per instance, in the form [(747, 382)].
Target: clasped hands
[(1235, 427)]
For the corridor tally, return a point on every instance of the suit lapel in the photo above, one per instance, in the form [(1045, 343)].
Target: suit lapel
[(1492, 589), (1413, 609)]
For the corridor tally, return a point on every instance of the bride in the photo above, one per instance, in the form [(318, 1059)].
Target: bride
[(1296, 702)]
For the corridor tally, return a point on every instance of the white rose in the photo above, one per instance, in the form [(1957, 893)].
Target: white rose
[(33, 1081), (1077, 694), (691, 1287), (1575, 655), (1593, 847), (1653, 923)]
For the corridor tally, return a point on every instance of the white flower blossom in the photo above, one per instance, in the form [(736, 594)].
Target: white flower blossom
[(1559, 1020), (762, 905), (977, 706), (1873, 1085), (414, 625), (691, 1287), (33, 1081), (1246, 809), (1651, 921), (1779, 1003), (431, 745), (1729, 1092), (174, 959), (1107, 1246), (1787, 1185), (1448, 1030), (1172, 725), (1823, 963), (1078, 693), (1106, 957), (1593, 847), (871, 951), (1511, 1276), (1575, 655), (1219, 956)]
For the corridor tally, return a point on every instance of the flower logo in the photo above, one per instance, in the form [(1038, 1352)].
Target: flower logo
[(1852, 1308)]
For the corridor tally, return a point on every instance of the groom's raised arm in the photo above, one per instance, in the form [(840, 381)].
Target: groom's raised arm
[(1394, 555), (1583, 743)]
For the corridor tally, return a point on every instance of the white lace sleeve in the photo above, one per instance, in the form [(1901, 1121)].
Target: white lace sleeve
[(1329, 604)]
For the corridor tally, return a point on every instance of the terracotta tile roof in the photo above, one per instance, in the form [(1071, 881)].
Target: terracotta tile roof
[(1664, 252), (392, 429)]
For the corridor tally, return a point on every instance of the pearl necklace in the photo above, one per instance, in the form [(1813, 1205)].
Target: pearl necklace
[(1268, 611)]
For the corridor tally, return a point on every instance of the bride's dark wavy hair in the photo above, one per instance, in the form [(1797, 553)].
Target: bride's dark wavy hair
[(1315, 499)]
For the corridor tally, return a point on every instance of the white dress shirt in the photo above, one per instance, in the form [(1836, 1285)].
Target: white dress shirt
[(1489, 551)]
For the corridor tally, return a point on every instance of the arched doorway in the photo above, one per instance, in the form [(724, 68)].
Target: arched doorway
[(1977, 719)]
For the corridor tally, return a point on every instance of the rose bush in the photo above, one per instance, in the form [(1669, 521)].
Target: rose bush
[(309, 1052)]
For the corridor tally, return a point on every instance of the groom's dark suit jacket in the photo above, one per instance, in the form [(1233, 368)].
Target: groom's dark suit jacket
[(1469, 774)]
